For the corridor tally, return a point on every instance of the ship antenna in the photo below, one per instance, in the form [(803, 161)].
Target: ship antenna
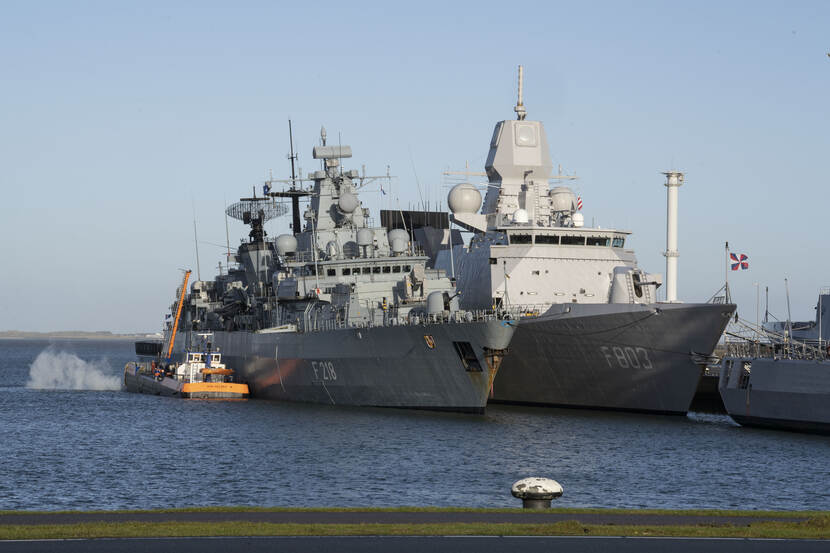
[(520, 110), (292, 156)]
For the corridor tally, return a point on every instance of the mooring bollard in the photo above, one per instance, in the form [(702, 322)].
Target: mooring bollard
[(536, 492)]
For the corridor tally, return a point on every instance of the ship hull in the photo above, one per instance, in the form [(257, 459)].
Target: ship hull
[(414, 367), (783, 394), (138, 383), (639, 358)]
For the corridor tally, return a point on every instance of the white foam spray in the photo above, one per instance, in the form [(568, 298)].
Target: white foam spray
[(59, 370)]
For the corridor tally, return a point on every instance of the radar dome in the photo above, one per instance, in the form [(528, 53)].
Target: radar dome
[(579, 220), (397, 240), (365, 237), (435, 303), (348, 202), (520, 216), (286, 244), (562, 198), (464, 198)]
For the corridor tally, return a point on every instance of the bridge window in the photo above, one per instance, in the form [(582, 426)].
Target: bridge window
[(346, 271), (618, 242), (573, 240), (547, 239), (396, 268), (367, 270), (387, 269), (331, 272), (521, 239), (376, 269), (598, 241)]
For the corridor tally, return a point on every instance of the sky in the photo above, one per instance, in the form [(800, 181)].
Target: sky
[(122, 122)]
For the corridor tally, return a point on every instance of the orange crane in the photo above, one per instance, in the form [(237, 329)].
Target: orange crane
[(178, 315)]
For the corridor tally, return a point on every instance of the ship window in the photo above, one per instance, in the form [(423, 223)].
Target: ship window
[(367, 270), (535, 273), (547, 239), (597, 241), (347, 271), (387, 269), (356, 270), (468, 356), (331, 272), (618, 242), (494, 261), (573, 240), (396, 268), (407, 268), (521, 239), (376, 269)]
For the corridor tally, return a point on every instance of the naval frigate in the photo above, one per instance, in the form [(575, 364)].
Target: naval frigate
[(341, 312), (593, 334)]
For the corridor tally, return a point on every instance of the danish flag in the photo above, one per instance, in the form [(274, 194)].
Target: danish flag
[(578, 203), (739, 261)]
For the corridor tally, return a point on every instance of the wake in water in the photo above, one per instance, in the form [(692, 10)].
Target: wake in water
[(59, 370)]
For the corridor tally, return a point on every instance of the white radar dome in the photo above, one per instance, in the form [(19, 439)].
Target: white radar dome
[(286, 244), (348, 202), (397, 240), (562, 198), (464, 198), (579, 220), (520, 217), (365, 237)]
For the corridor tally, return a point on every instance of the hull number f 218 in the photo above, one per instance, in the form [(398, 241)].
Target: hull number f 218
[(323, 370)]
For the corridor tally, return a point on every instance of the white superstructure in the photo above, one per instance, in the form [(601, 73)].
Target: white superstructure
[(531, 245)]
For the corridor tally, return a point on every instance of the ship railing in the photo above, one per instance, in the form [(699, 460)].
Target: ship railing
[(775, 350), (378, 317), (306, 257)]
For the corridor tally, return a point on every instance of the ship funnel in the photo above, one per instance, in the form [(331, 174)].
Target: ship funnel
[(673, 181)]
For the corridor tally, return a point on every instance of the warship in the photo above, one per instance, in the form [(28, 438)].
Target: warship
[(341, 312), (592, 332), (779, 376)]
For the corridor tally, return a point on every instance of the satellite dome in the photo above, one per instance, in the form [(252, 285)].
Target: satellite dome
[(365, 237), (286, 244), (520, 216), (562, 198), (397, 245), (435, 303), (464, 198), (348, 202), (579, 220)]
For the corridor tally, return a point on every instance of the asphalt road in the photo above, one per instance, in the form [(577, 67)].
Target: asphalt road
[(437, 544)]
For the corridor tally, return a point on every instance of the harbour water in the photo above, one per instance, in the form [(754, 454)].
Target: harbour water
[(70, 439)]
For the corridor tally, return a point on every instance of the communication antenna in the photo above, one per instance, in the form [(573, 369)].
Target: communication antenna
[(520, 110)]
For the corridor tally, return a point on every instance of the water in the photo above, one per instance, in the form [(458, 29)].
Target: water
[(70, 439)]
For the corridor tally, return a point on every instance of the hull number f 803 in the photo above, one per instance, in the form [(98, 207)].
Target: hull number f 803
[(626, 357), (323, 370)]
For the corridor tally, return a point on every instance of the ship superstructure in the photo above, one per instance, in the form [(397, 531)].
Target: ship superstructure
[(342, 312), (593, 333)]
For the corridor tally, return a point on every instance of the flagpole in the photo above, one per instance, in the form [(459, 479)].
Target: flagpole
[(726, 274)]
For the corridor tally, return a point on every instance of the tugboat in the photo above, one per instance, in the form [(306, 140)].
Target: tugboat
[(201, 375)]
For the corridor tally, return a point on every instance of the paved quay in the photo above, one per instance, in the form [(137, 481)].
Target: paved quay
[(415, 544), (391, 517)]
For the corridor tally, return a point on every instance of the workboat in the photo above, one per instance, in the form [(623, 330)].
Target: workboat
[(200, 374)]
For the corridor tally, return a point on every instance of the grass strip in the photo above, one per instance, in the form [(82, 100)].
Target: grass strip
[(813, 528), (576, 511)]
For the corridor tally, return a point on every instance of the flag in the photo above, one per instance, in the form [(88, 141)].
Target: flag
[(578, 202), (382, 191), (265, 189), (739, 261)]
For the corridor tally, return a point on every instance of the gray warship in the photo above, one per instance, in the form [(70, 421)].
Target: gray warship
[(779, 376), (342, 312), (593, 334)]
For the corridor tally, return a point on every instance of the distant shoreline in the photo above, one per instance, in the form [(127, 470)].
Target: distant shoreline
[(74, 335)]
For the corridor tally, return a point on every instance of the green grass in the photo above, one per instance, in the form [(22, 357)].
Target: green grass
[(692, 512), (814, 528)]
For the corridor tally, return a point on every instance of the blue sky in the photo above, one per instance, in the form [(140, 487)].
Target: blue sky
[(117, 121)]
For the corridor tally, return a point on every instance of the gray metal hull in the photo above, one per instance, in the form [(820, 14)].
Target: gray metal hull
[(611, 356), (785, 394), (143, 384), (379, 366)]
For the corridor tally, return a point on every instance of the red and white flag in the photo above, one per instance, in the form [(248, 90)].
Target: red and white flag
[(739, 261)]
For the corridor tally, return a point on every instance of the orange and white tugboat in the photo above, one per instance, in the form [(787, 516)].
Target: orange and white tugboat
[(201, 375)]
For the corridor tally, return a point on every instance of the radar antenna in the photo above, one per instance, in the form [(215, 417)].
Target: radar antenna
[(520, 110)]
